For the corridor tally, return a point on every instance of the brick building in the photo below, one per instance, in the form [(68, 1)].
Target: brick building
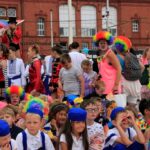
[(126, 17)]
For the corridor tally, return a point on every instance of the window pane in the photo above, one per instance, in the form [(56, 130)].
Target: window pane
[(64, 20), (2, 12), (88, 21), (41, 27), (135, 26), (11, 12)]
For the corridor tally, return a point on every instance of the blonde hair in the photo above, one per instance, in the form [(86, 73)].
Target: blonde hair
[(145, 52), (9, 111)]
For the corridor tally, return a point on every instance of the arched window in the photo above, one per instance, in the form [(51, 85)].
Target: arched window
[(41, 26), (11, 12), (112, 20), (135, 25), (64, 20), (88, 21), (2, 12)]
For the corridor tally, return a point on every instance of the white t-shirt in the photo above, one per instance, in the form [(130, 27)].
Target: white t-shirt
[(13, 144), (77, 58), (117, 135), (96, 136), (77, 143), (34, 142)]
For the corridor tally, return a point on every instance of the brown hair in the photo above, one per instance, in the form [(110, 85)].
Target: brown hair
[(35, 48), (65, 58), (145, 52), (86, 62), (9, 111)]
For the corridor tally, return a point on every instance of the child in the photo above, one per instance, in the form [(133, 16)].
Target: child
[(35, 86), (144, 108), (32, 137), (57, 118), (14, 94), (74, 134), (6, 143), (70, 78), (15, 69), (122, 136), (9, 117), (95, 130), (90, 77)]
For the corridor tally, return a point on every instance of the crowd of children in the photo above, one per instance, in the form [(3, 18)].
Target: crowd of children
[(63, 103)]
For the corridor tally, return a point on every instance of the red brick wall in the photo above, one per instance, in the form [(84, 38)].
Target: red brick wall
[(30, 10)]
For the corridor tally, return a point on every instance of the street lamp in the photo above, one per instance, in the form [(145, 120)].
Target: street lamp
[(107, 15)]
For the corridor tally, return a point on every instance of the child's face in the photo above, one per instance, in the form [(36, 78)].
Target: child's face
[(9, 119), (14, 98), (61, 117), (86, 68), (11, 54), (78, 127), (5, 140), (99, 106), (33, 123), (92, 112), (66, 65), (125, 121)]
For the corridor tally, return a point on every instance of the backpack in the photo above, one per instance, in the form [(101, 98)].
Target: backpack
[(145, 75), (132, 70)]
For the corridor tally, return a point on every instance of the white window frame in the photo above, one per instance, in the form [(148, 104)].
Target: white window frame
[(135, 26), (11, 9), (85, 45), (64, 20), (41, 26), (88, 21), (3, 14)]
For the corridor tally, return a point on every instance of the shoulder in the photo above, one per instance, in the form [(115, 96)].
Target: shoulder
[(14, 144), (113, 131), (19, 60), (63, 138), (19, 136)]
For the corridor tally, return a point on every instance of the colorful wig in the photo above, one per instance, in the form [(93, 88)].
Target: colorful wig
[(103, 35), (14, 89), (28, 97), (37, 103), (122, 43)]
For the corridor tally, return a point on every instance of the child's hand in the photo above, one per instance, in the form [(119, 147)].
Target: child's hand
[(119, 119), (51, 88), (131, 118), (5, 147)]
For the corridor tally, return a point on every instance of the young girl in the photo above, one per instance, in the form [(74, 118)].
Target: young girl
[(108, 64), (74, 134), (90, 77), (35, 85)]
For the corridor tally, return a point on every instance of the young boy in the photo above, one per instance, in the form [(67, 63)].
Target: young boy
[(15, 69), (122, 136), (95, 130), (32, 137), (70, 78), (6, 143), (9, 117)]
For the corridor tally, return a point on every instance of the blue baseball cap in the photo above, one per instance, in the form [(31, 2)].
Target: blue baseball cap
[(35, 111), (115, 111), (77, 114), (4, 128)]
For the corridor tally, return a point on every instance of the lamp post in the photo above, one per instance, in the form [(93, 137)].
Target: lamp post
[(51, 26), (107, 15), (70, 40)]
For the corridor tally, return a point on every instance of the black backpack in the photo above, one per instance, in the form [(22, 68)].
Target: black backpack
[(132, 70), (145, 75)]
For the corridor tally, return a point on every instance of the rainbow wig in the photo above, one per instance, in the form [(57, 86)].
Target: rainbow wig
[(103, 35), (37, 103), (122, 43), (14, 89), (28, 97)]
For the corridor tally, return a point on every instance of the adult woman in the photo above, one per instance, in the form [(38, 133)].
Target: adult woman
[(108, 64)]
